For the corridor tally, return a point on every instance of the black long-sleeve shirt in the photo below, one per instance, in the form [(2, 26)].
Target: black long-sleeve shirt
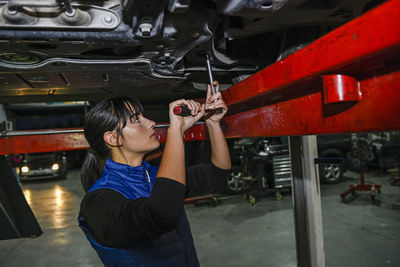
[(116, 221)]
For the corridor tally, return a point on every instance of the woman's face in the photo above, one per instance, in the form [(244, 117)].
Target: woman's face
[(138, 136)]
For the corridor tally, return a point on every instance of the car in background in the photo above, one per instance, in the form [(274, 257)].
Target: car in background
[(273, 153), (45, 165), (334, 146)]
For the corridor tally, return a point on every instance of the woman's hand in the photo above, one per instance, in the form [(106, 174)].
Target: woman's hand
[(184, 123), (215, 101)]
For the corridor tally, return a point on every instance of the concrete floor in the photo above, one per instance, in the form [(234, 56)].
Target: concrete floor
[(232, 234)]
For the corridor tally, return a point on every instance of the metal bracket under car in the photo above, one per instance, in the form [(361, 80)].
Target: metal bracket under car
[(50, 14)]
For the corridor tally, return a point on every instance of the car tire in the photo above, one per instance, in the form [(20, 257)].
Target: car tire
[(235, 185), (331, 173)]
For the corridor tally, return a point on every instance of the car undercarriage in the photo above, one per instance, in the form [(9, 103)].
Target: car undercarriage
[(59, 50)]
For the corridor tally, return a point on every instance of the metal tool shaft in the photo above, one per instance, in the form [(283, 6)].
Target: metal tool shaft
[(210, 74)]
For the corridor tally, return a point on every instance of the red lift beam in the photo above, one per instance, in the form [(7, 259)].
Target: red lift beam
[(346, 81), (50, 140), (290, 94)]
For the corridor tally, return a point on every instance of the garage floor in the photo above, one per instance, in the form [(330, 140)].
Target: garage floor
[(232, 234)]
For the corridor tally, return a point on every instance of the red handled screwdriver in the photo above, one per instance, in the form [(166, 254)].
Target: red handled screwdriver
[(182, 110)]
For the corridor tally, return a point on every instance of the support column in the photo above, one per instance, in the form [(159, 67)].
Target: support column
[(307, 202), (16, 217)]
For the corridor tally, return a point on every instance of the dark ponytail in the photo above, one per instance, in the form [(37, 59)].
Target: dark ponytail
[(91, 170), (108, 115)]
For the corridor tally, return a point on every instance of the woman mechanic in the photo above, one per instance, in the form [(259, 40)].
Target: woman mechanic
[(133, 213)]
